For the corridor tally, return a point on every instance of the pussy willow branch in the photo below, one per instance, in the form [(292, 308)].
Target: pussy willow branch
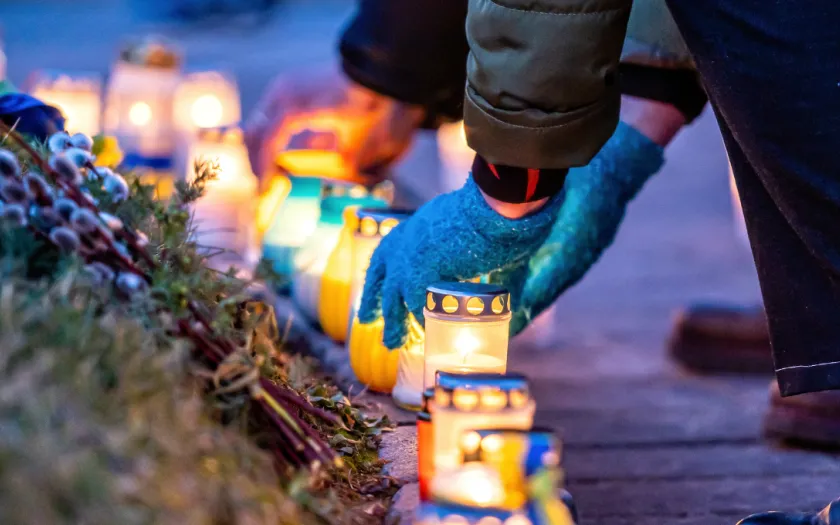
[(297, 434)]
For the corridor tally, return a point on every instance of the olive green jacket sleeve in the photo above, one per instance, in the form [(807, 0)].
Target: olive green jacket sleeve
[(542, 87)]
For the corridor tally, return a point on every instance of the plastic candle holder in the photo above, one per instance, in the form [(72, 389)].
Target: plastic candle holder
[(78, 96), (425, 445), (139, 107), (311, 259), (335, 308), (474, 402), (467, 326), (224, 217), (514, 455), (207, 99)]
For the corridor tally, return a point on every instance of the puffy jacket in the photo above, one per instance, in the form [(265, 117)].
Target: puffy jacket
[(542, 86)]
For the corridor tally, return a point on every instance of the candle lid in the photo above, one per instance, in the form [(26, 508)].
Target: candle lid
[(377, 222), (468, 300), (481, 392), (65, 80)]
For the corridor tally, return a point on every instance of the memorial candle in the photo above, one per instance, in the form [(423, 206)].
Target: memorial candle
[(474, 402), (425, 445), (467, 327)]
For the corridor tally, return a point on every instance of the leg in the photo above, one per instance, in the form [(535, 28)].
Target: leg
[(764, 68)]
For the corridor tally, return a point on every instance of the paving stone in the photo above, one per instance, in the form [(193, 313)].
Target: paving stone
[(399, 448), (403, 505)]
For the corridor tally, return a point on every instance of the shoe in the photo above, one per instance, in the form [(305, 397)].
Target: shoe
[(711, 338), (829, 516), (811, 419)]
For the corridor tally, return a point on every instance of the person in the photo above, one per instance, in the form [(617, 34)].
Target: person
[(542, 96)]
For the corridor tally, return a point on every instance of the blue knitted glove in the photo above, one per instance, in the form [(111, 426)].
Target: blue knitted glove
[(595, 198), (453, 237)]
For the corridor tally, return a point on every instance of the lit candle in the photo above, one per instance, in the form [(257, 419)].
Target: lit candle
[(207, 99), (224, 215), (78, 96), (467, 327), (139, 109), (473, 402)]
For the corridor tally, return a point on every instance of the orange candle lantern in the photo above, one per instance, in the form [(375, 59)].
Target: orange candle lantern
[(78, 96), (425, 445)]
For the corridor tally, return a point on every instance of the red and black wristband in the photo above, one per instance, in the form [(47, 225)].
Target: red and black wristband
[(516, 185)]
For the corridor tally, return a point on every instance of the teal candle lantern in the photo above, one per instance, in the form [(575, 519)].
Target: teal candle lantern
[(310, 260), (294, 222)]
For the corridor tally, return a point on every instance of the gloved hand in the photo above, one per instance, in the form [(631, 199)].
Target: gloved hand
[(371, 130), (595, 198), (454, 237)]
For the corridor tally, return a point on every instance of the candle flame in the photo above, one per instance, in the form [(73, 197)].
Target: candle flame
[(140, 114), (466, 344), (206, 111)]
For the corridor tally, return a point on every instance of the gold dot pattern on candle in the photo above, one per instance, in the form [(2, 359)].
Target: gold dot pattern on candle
[(475, 305), (489, 520), (518, 398), (494, 400), (386, 226), (369, 227), (450, 304), (498, 305), (517, 520), (470, 442), (430, 301), (491, 444), (464, 399), (442, 398)]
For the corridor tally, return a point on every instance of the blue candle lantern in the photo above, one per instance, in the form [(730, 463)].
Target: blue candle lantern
[(310, 260), (294, 220)]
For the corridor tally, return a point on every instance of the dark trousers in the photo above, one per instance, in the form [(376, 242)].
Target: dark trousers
[(771, 69)]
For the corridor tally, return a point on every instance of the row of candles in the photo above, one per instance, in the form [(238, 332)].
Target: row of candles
[(480, 461)]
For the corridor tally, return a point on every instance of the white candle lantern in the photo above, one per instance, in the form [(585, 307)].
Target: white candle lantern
[(139, 105), (467, 326), (77, 96), (207, 99), (311, 259), (474, 402), (225, 215)]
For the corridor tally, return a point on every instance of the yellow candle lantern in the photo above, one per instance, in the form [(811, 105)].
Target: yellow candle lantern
[(224, 217), (139, 107), (474, 402), (373, 364), (78, 96), (345, 269), (207, 99), (311, 259), (467, 328)]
